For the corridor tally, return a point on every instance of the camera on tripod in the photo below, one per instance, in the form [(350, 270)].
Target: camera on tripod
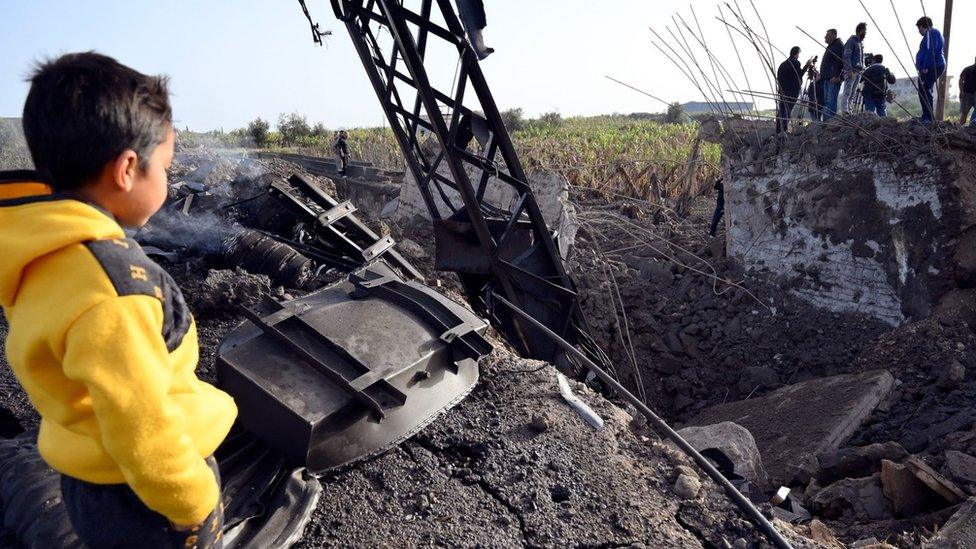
[(868, 59)]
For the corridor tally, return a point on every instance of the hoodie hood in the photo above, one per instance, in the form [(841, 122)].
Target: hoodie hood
[(34, 223)]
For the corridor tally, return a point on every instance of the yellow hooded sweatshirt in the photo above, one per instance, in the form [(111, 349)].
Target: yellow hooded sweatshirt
[(106, 349)]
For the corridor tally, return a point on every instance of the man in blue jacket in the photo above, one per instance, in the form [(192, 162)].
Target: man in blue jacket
[(931, 64), (831, 69)]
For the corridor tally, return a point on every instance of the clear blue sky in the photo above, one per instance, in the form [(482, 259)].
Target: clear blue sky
[(232, 60)]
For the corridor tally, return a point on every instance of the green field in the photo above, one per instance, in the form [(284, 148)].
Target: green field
[(617, 154)]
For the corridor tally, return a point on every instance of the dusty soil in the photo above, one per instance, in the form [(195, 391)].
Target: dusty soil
[(485, 475)]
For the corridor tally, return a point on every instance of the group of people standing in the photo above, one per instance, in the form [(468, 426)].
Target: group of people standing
[(845, 69)]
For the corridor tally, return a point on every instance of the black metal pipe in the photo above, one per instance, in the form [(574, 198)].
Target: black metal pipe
[(740, 500)]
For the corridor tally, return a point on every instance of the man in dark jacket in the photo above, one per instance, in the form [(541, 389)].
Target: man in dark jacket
[(789, 80), (875, 91), (967, 94), (341, 149), (831, 71)]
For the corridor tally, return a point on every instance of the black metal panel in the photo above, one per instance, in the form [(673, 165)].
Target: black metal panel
[(532, 276), (352, 369)]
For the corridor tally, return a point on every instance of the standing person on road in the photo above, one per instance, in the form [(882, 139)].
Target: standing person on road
[(831, 69), (853, 65), (789, 80), (967, 94), (931, 64), (341, 149), (876, 79)]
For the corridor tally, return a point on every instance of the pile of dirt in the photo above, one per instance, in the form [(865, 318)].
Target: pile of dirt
[(862, 136), (933, 362), (678, 317), (515, 465)]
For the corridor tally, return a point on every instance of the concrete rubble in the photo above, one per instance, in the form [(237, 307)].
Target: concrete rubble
[(870, 216), (795, 423)]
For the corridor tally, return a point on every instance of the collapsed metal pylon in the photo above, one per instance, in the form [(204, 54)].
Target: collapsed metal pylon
[(493, 247)]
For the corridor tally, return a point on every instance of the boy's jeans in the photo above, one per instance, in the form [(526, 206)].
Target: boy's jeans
[(111, 515), (875, 105), (831, 90)]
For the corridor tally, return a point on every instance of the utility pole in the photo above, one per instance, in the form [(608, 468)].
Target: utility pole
[(943, 96)]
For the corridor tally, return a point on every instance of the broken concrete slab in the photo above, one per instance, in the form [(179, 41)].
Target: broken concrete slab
[(736, 442), (959, 532), (793, 424), (909, 496), (873, 232), (859, 461), (853, 500), (941, 485), (960, 466)]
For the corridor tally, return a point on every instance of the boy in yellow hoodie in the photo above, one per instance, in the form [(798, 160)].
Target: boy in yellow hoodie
[(100, 336)]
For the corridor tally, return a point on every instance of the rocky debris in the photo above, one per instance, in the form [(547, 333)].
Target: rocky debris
[(856, 461), (221, 291), (821, 533), (936, 482), (700, 332), (960, 530), (960, 466), (909, 496), (736, 443), (687, 486), (853, 500), (482, 473), (921, 412), (793, 424)]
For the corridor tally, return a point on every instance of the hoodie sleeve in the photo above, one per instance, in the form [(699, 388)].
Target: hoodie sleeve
[(116, 350)]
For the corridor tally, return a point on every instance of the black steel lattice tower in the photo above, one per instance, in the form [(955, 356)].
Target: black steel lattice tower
[(507, 248)]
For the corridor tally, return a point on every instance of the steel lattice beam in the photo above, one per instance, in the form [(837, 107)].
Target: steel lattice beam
[(492, 247)]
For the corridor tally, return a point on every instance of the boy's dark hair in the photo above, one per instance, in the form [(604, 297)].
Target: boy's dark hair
[(794, 50), (925, 22), (878, 58), (84, 109), (861, 27), (832, 31)]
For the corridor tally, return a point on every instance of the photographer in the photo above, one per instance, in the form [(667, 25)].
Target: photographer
[(875, 92), (789, 80)]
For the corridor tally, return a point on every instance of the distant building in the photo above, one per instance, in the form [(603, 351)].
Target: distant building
[(903, 87), (701, 107)]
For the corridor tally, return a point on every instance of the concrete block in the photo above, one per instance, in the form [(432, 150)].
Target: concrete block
[(872, 234), (736, 443), (960, 530), (795, 423)]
